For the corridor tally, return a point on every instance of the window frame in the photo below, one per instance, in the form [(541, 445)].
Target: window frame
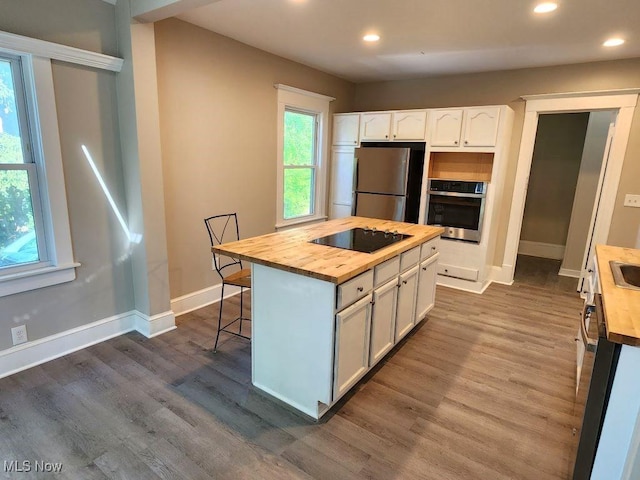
[(53, 232), (302, 101)]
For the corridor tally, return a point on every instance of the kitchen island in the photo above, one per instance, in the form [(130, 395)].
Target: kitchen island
[(323, 316)]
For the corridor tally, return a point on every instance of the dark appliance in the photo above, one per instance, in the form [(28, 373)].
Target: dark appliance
[(365, 240), (605, 362), (458, 206), (388, 179)]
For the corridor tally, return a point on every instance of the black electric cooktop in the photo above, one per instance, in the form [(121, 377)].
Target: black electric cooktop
[(366, 240)]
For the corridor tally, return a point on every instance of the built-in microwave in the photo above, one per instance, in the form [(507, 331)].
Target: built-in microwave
[(458, 206)]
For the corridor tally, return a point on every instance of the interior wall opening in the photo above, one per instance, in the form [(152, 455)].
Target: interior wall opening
[(564, 180)]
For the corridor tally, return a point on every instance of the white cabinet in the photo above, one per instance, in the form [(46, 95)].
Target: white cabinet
[(383, 320), (342, 164), (445, 128), (346, 127), (406, 125), (339, 211), (352, 345), (375, 126), (425, 299), (481, 127), (409, 125), (405, 312), (469, 127)]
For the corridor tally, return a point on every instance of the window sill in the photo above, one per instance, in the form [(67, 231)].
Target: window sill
[(37, 278), (298, 222)]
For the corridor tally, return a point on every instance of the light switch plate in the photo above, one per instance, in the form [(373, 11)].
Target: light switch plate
[(632, 200)]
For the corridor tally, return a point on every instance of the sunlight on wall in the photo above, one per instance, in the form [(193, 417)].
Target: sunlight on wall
[(133, 237)]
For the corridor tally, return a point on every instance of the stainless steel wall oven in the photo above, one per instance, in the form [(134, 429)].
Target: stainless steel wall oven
[(458, 206)]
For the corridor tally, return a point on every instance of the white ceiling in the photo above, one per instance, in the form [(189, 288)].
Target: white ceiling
[(425, 37)]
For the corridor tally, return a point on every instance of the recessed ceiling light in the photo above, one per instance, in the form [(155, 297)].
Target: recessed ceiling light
[(545, 7), (371, 37), (613, 42)]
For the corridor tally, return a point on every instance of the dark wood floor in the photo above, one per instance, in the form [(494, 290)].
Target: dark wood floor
[(483, 390)]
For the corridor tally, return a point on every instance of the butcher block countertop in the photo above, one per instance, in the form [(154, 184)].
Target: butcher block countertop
[(290, 250), (621, 305)]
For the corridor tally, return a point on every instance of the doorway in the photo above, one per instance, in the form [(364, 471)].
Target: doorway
[(568, 162), (623, 102)]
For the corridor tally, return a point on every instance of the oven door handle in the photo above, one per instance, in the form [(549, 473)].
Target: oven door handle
[(589, 344), (456, 194)]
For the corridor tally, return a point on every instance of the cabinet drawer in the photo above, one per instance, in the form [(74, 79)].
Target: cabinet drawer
[(429, 248), (352, 290), (410, 258), (458, 272), (386, 271)]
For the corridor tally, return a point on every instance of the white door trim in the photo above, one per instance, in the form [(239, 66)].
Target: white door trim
[(624, 102)]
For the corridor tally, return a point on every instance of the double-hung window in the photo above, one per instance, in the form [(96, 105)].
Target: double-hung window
[(35, 244), (302, 155), (21, 226)]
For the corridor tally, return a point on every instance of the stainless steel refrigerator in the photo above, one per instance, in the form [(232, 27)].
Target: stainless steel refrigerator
[(385, 184)]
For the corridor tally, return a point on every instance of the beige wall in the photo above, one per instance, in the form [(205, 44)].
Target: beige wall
[(218, 124), (506, 88), (553, 177), (87, 114)]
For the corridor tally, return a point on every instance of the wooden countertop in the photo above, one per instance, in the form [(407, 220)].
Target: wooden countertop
[(621, 305), (290, 250)]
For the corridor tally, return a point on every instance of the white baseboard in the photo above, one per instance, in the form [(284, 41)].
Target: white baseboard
[(541, 249), (195, 300), (152, 326), (502, 275), (30, 354), (460, 284), (567, 272)]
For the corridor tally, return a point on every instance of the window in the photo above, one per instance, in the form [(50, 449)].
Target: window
[(299, 163), (21, 242), (35, 244), (302, 155)]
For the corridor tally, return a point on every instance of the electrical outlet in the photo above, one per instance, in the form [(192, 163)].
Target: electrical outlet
[(19, 334), (632, 200)]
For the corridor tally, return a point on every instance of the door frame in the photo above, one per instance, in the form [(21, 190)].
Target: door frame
[(624, 101)]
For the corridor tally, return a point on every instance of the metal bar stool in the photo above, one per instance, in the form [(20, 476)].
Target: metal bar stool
[(223, 229)]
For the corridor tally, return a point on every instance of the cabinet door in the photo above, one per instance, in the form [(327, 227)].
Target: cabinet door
[(426, 287), (481, 127), (342, 164), (409, 125), (383, 318), (346, 127), (445, 128), (339, 211), (405, 312), (353, 326), (375, 126)]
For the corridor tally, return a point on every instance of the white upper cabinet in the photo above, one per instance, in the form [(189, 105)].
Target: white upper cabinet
[(346, 127), (445, 128), (469, 127), (409, 125), (400, 125), (375, 126), (481, 127)]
